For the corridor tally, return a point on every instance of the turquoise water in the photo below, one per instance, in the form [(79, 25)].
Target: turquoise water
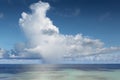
[(64, 74)]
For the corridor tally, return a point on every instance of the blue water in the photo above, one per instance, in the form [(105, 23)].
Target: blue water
[(60, 72)]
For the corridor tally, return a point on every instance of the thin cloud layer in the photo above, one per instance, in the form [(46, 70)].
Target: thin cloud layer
[(45, 39)]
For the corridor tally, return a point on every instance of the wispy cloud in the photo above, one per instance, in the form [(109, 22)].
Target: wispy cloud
[(51, 0), (67, 12), (105, 16), (1, 15)]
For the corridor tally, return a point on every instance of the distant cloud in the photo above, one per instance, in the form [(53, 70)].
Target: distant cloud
[(3, 53), (46, 40)]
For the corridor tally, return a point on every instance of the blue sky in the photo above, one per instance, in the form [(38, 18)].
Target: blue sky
[(95, 19)]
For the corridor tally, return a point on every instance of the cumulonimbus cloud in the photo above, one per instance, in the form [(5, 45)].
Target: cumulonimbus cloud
[(45, 39)]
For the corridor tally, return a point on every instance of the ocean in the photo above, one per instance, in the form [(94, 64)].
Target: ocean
[(60, 72)]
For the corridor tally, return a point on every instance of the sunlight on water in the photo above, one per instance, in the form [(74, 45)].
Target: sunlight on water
[(68, 74)]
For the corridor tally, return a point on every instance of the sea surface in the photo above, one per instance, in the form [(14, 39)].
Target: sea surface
[(60, 72)]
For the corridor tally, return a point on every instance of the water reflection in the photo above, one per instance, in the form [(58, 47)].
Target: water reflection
[(50, 72), (70, 74)]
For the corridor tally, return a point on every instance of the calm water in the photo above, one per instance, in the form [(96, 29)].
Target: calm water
[(59, 72)]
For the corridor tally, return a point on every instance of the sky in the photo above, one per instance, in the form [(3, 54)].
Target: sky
[(92, 22)]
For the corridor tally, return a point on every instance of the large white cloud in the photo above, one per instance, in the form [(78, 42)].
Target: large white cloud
[(45, 39)]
